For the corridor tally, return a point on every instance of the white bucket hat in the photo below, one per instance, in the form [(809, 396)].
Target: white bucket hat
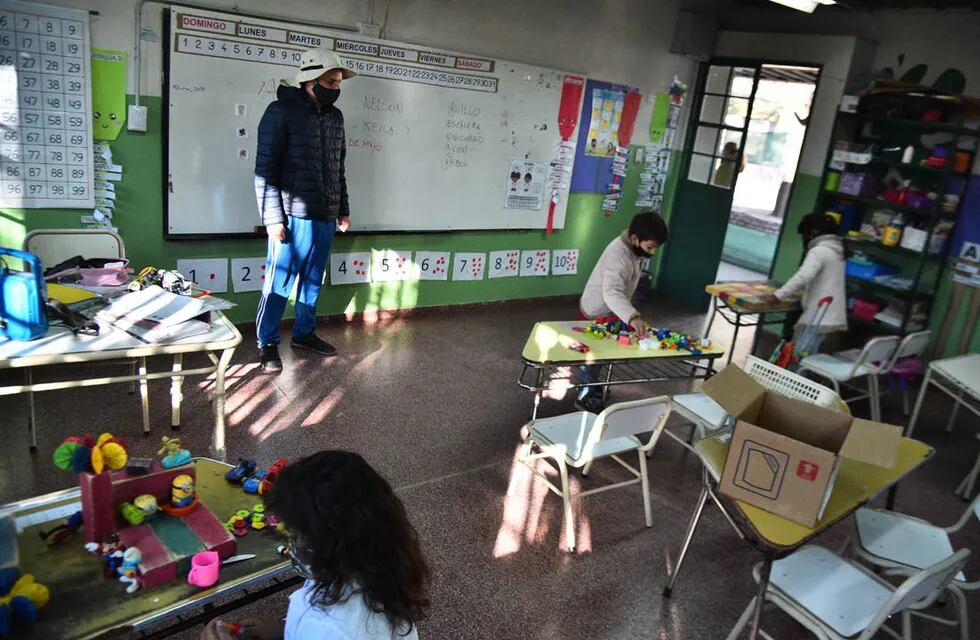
[(316, 62)]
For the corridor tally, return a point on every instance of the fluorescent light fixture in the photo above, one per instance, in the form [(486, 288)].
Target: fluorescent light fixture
[(807, 6)]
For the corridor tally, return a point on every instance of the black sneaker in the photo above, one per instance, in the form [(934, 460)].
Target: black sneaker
[(269, 358), (591, 403), (313, 343)]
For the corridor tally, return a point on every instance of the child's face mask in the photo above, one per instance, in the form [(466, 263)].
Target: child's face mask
[(301, 557)]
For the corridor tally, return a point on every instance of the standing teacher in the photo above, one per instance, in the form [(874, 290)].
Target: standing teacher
[(301, 188)]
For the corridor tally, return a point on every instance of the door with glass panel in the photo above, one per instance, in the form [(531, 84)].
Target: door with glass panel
[(711, 163)]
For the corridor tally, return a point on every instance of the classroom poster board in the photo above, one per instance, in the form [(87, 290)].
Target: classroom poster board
[(432, 135), (45, 107)]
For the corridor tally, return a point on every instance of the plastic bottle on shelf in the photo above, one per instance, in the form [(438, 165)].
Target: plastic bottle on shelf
[(908, 154), (893, 232), (903, 193)]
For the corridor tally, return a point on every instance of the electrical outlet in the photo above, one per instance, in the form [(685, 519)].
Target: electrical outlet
[(136, 118)]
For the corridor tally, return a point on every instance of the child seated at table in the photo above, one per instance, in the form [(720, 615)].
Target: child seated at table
[(613, 282), (351, 539), (821, 275)]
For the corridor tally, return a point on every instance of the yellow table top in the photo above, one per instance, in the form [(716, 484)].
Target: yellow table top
[(750, 297), (549, 342), (857, 482)]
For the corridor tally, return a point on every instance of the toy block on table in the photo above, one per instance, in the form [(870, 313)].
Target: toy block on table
[(158, 565), (211, 532)]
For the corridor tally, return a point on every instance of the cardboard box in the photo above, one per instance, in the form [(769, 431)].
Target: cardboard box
[(785, 453)]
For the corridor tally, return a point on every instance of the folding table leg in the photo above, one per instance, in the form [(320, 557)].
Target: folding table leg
[(954, 413), (918, 403), (31, 418), (688, 537), (539, 389), (176, 392), (731, 349), (144, 396)]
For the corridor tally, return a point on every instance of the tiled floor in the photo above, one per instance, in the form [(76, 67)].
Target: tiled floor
[(432, 402)]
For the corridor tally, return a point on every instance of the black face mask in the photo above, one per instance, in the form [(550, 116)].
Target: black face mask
[(326, 97), (639, 252)]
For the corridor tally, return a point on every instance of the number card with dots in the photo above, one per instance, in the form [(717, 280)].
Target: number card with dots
[(207, 273), (469, 266), (432, 265), (45, 107), (350, 268), (247, 274), (534, 262), (504, 264), (391, 266), (564, 262)]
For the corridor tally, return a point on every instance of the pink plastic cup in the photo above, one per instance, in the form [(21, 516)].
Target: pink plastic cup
[(204, 569)]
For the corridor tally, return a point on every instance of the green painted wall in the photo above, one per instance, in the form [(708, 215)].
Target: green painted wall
[(790, 251), (139, 216)]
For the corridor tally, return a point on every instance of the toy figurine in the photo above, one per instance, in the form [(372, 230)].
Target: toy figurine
[(171, 454), (131, 513), (111, 551), (57, 535), (129, 571), (265, 486), (20, 599), (147, 504), (182, 491), (575, 346)]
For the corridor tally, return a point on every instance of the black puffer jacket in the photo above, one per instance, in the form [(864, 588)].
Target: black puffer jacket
[(299, 162)]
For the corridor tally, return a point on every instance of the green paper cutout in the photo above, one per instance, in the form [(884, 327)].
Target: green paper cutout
[(108, 93), (658, 120)]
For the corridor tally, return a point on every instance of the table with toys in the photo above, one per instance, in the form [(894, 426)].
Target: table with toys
[(555, 351), (735, 300), (142, 545)]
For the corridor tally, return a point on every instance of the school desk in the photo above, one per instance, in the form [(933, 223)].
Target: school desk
[(59, 347), (85, 605), (959, 378), (550, 365), (775, 536), (735, 301)]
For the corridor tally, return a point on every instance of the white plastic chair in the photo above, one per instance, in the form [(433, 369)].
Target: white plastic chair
[(52, 246), (708, 416), (912, 345), (55, 245), (837, 599), (873, 360), (577, 439), (904, 545)]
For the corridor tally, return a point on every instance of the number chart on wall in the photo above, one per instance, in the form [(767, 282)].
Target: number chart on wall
[(432, 136), (45, 107)]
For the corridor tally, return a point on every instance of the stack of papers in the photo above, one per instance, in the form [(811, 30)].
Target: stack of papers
[(155, 315)]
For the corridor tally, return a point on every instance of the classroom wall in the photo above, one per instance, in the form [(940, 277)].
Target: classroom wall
[(939, 39), (624, 42)]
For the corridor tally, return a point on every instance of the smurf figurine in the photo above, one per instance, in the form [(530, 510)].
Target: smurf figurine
[(182, 492), (129, 571), (111, 551), (171, 453)]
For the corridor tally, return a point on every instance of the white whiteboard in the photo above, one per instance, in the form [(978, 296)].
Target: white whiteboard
[(45, 107), (431, 135)]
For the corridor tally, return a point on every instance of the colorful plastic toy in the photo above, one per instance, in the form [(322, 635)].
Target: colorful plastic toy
[(270, 477), (111, 551), (182, 491), (81, 454), (252, 484), (20, 600), (171, 453), (131, 513), (147, 504), (129, 571), (57, 535), (242, 471)]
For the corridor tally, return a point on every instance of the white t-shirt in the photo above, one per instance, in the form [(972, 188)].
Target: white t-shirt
[(350, 620)]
